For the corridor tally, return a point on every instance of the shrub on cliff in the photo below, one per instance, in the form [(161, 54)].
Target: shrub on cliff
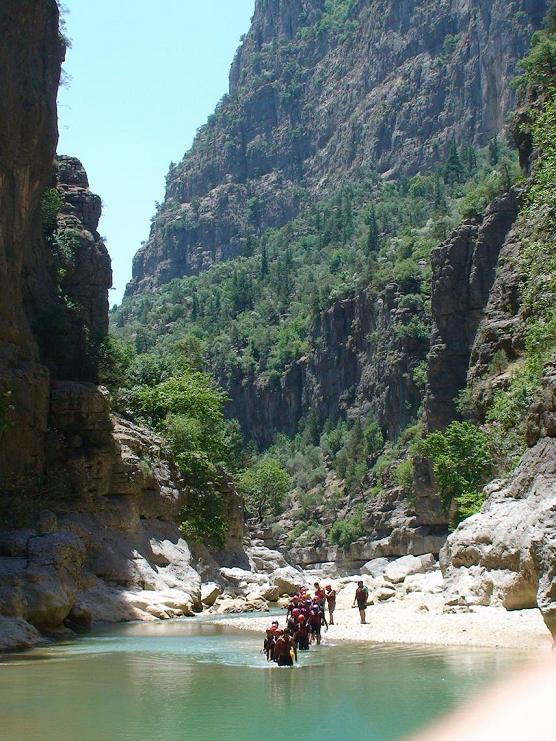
[(462, 463)]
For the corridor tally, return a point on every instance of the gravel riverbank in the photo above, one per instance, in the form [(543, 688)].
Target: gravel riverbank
[(416, 624)]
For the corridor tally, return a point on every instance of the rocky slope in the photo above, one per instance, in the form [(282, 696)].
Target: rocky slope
[(317, 92)]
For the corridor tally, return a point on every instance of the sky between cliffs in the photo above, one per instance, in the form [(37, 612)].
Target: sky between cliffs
[(144, 76)]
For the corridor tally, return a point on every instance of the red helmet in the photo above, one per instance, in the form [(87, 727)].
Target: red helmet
[(302, 618)]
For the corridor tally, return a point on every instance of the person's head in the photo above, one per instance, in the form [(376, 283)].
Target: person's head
[(286, 633), (275, 624), (360, 584), (328, 587), (269, 631), (316, 585), (301, 619)]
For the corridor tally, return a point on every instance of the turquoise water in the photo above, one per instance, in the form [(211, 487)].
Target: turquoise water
[(196, 680)]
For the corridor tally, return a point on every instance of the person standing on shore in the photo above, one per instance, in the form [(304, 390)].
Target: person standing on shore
[(361, 597), (331, 601)]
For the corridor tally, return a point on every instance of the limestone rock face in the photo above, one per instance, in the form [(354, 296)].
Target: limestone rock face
[(505, 554), (373, 372), (389, 87), (464, 270)]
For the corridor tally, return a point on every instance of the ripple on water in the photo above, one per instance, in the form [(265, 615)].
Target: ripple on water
[(199, 680)]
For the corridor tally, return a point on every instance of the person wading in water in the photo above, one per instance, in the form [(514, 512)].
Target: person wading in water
[(330, 595), (361, 597), (285, 649)]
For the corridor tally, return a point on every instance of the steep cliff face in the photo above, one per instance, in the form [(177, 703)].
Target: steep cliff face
[(464, 270), (89, 504), (27, 144), (317, 92), (357, 364)]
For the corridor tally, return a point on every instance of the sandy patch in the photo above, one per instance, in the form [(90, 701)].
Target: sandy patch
[(406, 622)]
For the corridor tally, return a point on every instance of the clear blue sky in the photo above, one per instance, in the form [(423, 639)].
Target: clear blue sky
[(143, 77)]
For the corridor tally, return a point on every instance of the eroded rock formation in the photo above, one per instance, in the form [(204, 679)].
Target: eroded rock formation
[(506, 553)]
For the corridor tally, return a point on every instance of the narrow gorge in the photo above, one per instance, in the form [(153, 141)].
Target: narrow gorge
[(335, 358)]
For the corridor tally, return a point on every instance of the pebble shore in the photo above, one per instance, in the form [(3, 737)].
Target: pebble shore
[(415, 624)]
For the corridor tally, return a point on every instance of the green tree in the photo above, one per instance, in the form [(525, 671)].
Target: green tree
[(453, 170), (461, 462), (373, 236), (494, 151), (264, 261), (265, 486)]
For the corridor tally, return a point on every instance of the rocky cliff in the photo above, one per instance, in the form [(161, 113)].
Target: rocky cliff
[(89, 504), (357, 364), (320, 90)]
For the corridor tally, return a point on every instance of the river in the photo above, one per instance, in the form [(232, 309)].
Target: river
[(191, 679)]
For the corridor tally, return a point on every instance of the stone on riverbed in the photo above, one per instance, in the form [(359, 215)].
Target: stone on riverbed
[(384, 593), (210, 593), (376, 567), (16, 633), (239, 576), (430, 583)]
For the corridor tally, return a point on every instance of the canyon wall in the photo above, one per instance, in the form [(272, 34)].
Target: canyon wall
[(319, 92)]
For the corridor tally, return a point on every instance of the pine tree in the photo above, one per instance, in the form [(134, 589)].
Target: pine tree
[(311, 432), (494, 151), (250, 246), (453, 172), (264, 261), (470, 160), (194, 307), (373, 237), (439, 195)]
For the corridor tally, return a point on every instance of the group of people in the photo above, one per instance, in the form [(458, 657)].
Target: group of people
[(305, 619)]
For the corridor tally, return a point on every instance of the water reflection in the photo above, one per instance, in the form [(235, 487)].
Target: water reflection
[(194, 679)]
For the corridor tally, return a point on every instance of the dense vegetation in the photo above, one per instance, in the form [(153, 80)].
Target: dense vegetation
[(464, 454), (505, 419), (254, 315)]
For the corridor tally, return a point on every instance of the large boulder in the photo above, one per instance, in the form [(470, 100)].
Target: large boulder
[(376, 567), (210, 593), (399, 569), (430, 583), (505, 555), (241, 577), (16, 633), (266, 560), (288, 580)]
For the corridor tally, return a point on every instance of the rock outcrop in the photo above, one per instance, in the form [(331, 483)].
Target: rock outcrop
[(463, 270), (506, 553), (318, 92), (109, 549)]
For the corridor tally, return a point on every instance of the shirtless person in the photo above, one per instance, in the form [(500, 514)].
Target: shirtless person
[(330, 595), (361, 597)]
